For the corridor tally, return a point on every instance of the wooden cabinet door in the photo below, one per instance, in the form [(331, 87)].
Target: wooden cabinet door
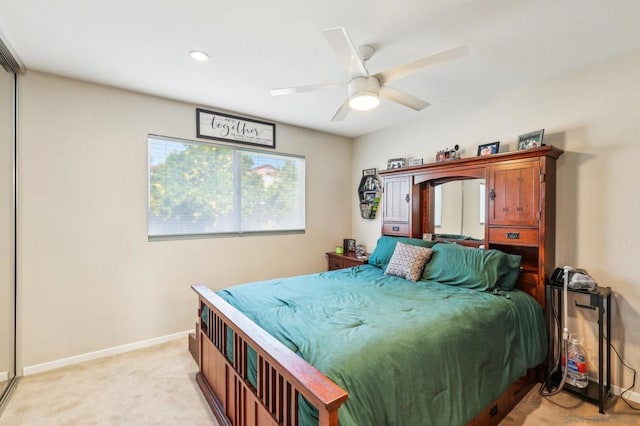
[(397, 199), (514, 194)]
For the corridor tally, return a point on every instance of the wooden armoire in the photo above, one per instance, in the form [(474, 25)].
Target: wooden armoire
[(519, 202)]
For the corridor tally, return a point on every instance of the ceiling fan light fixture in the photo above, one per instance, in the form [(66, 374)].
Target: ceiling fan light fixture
[(199, 55), (365, 89), (363, 93), (364, 101)]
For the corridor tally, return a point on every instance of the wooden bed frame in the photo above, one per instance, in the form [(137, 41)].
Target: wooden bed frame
[(282, 376)]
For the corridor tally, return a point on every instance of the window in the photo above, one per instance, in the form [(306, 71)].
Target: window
[(203, 188)]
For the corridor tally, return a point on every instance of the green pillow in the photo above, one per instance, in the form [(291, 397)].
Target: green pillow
[(386, 246), (473, 268), (509, 272)]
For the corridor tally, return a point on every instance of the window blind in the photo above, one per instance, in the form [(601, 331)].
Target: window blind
[(198, 188)]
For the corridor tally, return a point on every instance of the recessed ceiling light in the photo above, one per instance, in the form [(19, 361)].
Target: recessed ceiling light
[(199, 55)]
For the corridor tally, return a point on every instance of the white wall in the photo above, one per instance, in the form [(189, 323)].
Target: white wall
[(88, 277), (590, 113)]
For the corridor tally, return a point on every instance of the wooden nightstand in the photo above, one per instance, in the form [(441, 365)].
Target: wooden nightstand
[(340, 261)]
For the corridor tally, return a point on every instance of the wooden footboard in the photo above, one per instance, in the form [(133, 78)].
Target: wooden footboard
[(282, 376)]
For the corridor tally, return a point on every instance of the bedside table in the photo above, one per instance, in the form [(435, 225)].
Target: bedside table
[(598, 391), (347, 260)]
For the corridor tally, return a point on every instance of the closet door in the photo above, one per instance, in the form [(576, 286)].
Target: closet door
[(7, 234)]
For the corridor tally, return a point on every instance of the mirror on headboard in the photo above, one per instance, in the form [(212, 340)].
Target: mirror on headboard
[(459, 209)]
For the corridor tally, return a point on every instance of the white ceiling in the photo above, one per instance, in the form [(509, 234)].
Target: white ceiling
[(258, 45)]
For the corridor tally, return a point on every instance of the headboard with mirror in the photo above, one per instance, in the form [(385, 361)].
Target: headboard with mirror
[(444, 200)]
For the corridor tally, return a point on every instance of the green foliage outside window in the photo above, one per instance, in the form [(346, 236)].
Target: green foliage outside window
[(201, 188)]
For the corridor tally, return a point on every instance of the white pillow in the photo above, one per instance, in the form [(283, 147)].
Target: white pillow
[(408, 261)]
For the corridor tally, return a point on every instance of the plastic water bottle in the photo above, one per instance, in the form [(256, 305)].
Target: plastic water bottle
[(577, 363)]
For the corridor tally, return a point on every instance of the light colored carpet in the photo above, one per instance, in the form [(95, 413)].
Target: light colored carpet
[(156, 386), (566, 409), (151, 386)]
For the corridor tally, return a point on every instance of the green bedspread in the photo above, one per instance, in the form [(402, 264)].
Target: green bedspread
[(407, 353)]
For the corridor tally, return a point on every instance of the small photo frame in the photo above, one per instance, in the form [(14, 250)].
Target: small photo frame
[(531, 140), (488, 149), (349, 245), (369, 172), (416, 161), (370, 197), (396, 163)]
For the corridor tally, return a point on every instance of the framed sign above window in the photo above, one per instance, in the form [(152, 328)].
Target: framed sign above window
[(229, 128)]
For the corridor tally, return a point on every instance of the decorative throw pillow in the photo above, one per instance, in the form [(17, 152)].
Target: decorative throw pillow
[(386, 246), (408, 261)]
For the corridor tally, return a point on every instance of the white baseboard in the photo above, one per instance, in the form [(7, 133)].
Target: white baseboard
[(46, 366), (631, 396), (4, 375)]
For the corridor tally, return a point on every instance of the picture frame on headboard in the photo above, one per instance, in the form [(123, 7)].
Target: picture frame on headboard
[(531, 140), (488, 149), (396, 163)]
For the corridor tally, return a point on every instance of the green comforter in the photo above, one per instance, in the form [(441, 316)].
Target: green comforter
[(407, 353)]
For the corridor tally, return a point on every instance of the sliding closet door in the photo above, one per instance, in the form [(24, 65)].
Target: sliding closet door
[(7, 234)]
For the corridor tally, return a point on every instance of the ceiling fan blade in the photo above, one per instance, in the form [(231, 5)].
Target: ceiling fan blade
[(402, 98), (342, 112), (303, 89), (421, 64), (343, 47)]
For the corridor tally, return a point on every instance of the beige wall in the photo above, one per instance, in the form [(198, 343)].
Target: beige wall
[(88, 277), (592, 114)]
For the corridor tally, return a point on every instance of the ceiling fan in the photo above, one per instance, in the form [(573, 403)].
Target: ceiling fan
[(365, 90)]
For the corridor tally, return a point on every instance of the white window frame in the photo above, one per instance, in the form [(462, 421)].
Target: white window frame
[(237, 152)]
